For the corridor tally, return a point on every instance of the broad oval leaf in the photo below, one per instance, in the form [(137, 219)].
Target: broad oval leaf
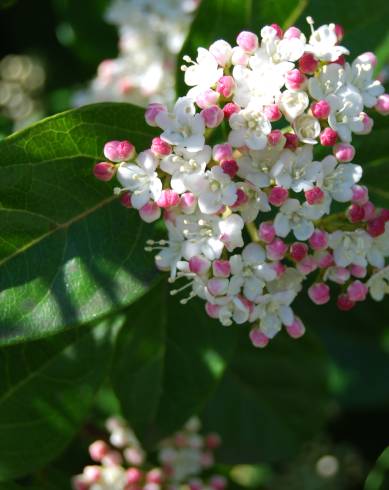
[(69, 252)]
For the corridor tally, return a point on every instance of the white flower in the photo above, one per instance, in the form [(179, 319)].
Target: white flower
[(307, 128), (236, 309), (259, 86), (338, 179), (141, 179), (249, 127), (273, 311), (204, 73), (215, 191), (350, 247), (170, 251), (186, 168), (295, 169), (378, 284), (250, 271), (345, 116), (255, 166), (257, 201), (330, 79), (282, 50), (323, 44), (379, 249), (183, 127), (296, 217), (293, 103), (360, 74)]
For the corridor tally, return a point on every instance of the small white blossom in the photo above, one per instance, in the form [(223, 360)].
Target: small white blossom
[(378, 284), (329, 80), (202, 74), (360, 74), (307, 128), (216, 190), (293, 103), (338, 179), (379, 249), (350, 247), (249, 127), (323, 44), (297, 218)]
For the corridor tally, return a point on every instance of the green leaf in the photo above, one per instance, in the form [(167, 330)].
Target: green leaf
[(168, 361), (69, 252), (270, 401), (378, 478), (46, 390)]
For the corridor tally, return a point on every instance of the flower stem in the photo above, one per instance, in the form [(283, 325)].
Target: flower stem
[(252, 231)]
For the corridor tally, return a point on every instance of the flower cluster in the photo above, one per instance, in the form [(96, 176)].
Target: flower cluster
[(150, 36), (121, 464), (250, 218)]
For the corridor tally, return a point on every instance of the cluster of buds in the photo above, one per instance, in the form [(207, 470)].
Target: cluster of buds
[(150, 36), (251, 218), (121, 464)]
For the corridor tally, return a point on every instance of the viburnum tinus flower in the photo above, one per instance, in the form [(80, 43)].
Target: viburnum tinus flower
[(120, 463), (282, 185)]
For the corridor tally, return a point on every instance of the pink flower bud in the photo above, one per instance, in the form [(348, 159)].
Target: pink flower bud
[(222, 152), (218, 482), (112, 458), (125, 200), (212, 310), (133, 476), (213, 116), (279, 268), (152, 112), (277, 249), (382, 105), (119, 151), (98, 450), (297, 329), (221, 268), (318, 240), (340, 61), (295, 79), (360, 194), (208, 98), (272, 112), (230, 167), (384, 214), (150, 212), (92, 474), (212, 441), (368, 124), (241, 198), (275, 137), (278, 195), (292, 141), (321, 109), (195, 484), (339, 31), (199, 265), (308, 63), (154, 476), (78, 483), (104, 171), (358, 271), (307, 265), (357, 291), (278, 30), (230, 109), (221, 51), (133, 456), (298, 251), (239, 56), (344, 303), (328, 137), (258, 338), (160, 148), (368, 57), (207, 459), (188, 203), (369, 210), (324, 259), (344, 152), (248, 41), (314, 196), (168, 199), (355, 213), (319, 293), (376, 227), (225, 86), (217, 286), (266, 231), (340, 275)]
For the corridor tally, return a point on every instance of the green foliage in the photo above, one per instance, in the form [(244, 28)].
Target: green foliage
[(69, 252), (378, 478)]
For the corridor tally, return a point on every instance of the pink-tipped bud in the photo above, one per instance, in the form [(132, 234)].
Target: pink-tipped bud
[(296, 329), (272, 112), (368, 57), (217, 286), (278, 30), (241, 198), (357, 291), (295, 80), (150, 212), (230, 109), (222, 152), (168, 199), (369, 210), (367, 122), (248, 41), (314, 196), (360, 194), (382, 105), (208, 98), (339, 31), (344, 303), (376, 227), (104, 171), (225, 86), (275, 137), (340, 275), (307, 265), (125, 200), (279, 268), (91, 474), (339, 61), (266, 231), (318, 240), (212, 310), (292, 33), (277, 249), (384, 214), (213, 116), (355, 213), (258, 338), (324, 259), (112, 458), (152, 112), (221, 268), (308, 63), (298, 251), (344, 152), (218, 482), (188, 203), (154, 476), (160, 148), (119, 151), (292, 141), (199, 265), (278, 195), (98, 450), (133, 476), (358, 271), (239, 56), (328, 137), (230, 167), (221, 51), (321, 109), (78, 483), (319, 293), (212, 441)]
